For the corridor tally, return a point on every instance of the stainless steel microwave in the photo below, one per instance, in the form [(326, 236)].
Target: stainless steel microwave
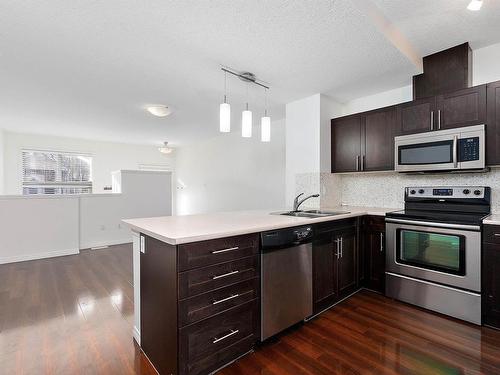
[(441, 150)]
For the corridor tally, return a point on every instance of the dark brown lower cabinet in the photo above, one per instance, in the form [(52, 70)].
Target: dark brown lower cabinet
[(335, 262), (491, 276), (347, 261), (374, 252), (199, 313)]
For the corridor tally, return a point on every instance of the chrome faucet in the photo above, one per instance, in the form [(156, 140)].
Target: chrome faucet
[(297, 202)]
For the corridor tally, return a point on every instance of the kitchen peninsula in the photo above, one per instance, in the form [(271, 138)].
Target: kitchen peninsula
[(197, 279)]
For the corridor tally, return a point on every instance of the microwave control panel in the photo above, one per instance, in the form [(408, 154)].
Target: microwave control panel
[(468, 149)]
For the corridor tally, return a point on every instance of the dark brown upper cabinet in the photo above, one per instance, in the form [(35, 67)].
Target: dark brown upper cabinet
[(461, 108), (493, 124), (453, 110), (364, 141), (346, 144), (416, 117), (444, 71), (378, 139)]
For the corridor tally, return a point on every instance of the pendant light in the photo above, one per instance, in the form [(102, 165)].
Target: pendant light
[(225, 111), (246, 121), (265, 123)]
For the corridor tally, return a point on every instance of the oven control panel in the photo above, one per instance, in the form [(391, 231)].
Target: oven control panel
[(437, 192)]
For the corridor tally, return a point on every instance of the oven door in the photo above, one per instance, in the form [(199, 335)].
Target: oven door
[(448, 254), (426, 152)]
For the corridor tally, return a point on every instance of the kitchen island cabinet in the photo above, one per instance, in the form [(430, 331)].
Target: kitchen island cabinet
[(197, 282), (199, 302)]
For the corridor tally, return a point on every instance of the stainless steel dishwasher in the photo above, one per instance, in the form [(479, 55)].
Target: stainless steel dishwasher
[(286, 278)]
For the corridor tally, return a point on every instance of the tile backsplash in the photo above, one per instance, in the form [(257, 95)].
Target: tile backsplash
[(386, 189)]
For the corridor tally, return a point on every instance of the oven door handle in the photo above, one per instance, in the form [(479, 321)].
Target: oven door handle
[(433, 224)]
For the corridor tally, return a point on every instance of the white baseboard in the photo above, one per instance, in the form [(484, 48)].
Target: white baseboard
[(137, 335), (48, 254), (90, 245)]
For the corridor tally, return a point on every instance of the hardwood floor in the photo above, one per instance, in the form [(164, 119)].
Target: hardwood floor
[(371, 334), (70, 315), (74, 314)]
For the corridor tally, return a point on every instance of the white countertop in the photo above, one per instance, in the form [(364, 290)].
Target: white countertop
[(492, 219), (177, 230)]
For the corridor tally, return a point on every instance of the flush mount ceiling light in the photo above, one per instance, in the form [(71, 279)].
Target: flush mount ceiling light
[(475, 5), (165, 149), (159, 110), (246, 115)]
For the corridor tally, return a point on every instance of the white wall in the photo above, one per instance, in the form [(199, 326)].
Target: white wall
[(1, 161), (37, 227), (328, 109), (308, 144), (143, 194), (229, 172), (302, 140), (107, 157), (33, 227), (380, 100), (485, 65)]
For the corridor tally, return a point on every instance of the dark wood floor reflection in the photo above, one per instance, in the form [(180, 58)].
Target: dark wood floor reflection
[(73, 315), (370, 334), (70, 315)]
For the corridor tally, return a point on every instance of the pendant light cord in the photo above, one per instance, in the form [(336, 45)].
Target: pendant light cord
[(265, 102)]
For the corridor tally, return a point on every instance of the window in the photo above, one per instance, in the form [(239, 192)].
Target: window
[(52, 172)]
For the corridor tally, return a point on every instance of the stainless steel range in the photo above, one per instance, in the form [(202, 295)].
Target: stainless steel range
[(434, 249)]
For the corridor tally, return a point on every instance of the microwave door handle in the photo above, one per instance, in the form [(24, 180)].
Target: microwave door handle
[(455, 150)]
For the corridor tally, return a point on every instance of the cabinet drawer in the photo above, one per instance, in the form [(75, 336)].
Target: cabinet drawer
[(204, 253), (203, 339), (201, 280), (221, 358), (205, 305), (491, 234)]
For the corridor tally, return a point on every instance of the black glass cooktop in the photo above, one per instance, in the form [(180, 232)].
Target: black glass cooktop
[(465, 218)]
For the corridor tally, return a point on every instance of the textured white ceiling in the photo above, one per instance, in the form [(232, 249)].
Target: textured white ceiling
[(86, 68)]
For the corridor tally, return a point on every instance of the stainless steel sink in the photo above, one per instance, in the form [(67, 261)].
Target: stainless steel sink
[(312, 213)]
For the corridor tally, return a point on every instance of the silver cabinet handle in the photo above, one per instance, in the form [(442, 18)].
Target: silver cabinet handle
[(381, 242), (337, 248), (432, 120), (233, 332), (225, 250), (341, 247), (225, 299), (224, 275), (497, 234), (142, 244), (357, 162), (455, 159), (439, 119)]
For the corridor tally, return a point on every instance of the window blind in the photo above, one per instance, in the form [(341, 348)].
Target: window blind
[(52, 172)]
